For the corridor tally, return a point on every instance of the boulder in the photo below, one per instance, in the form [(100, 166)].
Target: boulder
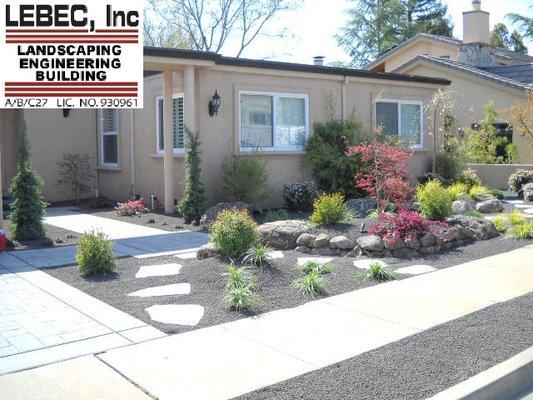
[(211, 214), (526, 192), (412, 243), (473, 228), (282, 234), (306, 239), (370, 243), (491, 206), (394, 244), (405, 253), (429, 249), (302, 249), (321, 240), (341, 243), (207, 251), (429, 239), (362, 207), (462, 206)]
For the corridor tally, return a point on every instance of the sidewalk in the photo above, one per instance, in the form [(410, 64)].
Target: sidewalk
[(214, 363)]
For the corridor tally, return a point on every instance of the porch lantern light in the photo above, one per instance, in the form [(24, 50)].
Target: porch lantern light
[(214, 104), (66, 112)]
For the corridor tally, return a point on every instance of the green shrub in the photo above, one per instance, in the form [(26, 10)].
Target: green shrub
[(299, 195), (245, 179), (29, 207), (311, 284), (377, 272), (95, 254), (457, 189), (479, 192), (521, 231), (494, 192), (434, 200), (519, 178), (192, 205), (258, 257), (234, 232), (329, 209), (333, 171), (321, 268), (448, 166), (469, 177), (276, 215)]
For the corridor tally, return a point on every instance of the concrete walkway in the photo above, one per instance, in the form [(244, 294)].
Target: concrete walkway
[(214, 363)]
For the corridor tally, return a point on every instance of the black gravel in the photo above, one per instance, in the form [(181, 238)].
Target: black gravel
[(55, 237), (421, 365), (276, 291)]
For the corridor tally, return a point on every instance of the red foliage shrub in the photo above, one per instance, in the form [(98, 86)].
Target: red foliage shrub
[(132, 207), (382, 172), (404, 225)]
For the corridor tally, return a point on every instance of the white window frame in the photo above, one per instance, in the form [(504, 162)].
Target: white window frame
[(275, 95), (177, 150), (108, 133), (399, 103)]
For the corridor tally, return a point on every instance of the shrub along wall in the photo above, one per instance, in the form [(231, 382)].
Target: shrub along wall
[(497, 175)]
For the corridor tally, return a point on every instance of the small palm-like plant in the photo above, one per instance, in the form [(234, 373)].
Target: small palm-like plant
[(258, 257), (241, 287), (239, 277), (378, 272), (311, 284), (321, 268)]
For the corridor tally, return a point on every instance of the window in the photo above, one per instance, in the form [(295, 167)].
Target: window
[(401, 118), (177, 124), (108, 141), (273, 121)]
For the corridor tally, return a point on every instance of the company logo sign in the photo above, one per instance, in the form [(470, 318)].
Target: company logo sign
[(71, 54)]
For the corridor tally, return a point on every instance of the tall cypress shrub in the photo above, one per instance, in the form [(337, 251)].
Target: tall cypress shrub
[(29, 206), (192, 205)]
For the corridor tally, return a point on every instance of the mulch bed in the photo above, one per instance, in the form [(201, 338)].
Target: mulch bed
[(276, 291)]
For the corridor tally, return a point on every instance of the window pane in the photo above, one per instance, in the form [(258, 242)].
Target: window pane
[(110, 155), (256, 121), (290, 122), (410, 123), (109, 120), (177, 123), (387, 117)]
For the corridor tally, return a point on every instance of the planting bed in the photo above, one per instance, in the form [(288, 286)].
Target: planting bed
[(54, 237), (276, 291)]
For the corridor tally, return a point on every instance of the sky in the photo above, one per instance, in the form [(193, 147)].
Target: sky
[(313, 25)]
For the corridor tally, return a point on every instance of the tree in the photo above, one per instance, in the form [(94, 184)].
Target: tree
[(29, 206), (525, 24), (500, 37), (192, 205), (75, 173), (520, 117), (209, 24), (160, 33), (375, 26)]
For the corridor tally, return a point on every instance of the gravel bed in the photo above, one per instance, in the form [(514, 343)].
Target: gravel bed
[(421, 365), (55, 237), (276, 291)]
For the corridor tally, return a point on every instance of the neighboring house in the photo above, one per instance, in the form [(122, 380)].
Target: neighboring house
[(272, 105), (479, 72)]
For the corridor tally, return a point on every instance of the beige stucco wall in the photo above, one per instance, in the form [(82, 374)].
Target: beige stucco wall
[(497, 176), (427, 47), (219, 134), (470, 94)]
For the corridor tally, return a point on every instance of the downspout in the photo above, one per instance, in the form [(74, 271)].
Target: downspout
[(132, 155), (343, 97), (97, 158)]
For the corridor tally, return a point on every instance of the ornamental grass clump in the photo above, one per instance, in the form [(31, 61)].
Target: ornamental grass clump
[(276, 215), (258, 256), (457, 190), (521, 231), (311, 284), (234, 232), (321, 268), (377, 272), (95, 254), (241, 288), (329, 209), (435, 201), (480, 192)]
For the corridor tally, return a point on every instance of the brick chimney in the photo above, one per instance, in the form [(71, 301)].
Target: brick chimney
[(476, 27)]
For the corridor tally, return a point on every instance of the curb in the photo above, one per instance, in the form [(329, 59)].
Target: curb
[(509, 380)]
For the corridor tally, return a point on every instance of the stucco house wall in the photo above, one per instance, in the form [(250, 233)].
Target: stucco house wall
[(431, 48)]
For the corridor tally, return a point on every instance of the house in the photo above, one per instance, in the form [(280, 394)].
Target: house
[(478, 71), (273, 105)]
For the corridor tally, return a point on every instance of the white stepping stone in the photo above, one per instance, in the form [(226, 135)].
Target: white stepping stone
[(158, 270), (365, 263), (276, 254), (522, 205), (186, 256), (166, 290), (416, 269), (528, 211), (176, 314), (320, 260), (513, 201)]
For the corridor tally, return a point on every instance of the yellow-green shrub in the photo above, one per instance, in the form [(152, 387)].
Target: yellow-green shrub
[(329, 209), (434, 200), (234, 232), (458, 189), (95, 254), (479, 192)]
